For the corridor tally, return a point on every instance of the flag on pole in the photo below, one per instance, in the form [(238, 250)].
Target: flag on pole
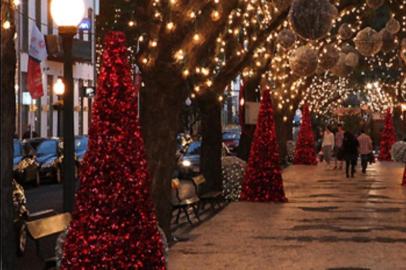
[(37, 53)]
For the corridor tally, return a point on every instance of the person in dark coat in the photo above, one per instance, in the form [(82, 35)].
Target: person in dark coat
[(350, 153)]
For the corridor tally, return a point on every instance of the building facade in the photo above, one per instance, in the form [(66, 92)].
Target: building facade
[(40, 114)]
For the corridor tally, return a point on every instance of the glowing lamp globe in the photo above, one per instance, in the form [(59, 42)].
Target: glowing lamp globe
[(67, 13), (59, 87)]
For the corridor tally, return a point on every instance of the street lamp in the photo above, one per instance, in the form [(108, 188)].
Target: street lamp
[(67, 15), (59, 91)]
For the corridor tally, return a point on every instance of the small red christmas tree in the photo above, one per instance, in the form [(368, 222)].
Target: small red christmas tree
[(388, 138), (114, 223), (305, 153), (263, 177)]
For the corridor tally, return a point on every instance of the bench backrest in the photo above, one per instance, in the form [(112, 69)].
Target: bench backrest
[(48, 226)]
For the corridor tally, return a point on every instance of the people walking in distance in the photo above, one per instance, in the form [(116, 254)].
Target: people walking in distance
[(365, 149), (338, 149), (350, 153), (328, 145)]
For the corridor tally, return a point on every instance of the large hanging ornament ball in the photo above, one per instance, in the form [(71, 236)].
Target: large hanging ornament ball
[(281, 5), (345, 31), (352, 59), (341, 69), (374, 4), (348, 48), (286, 38), (393, 26), (312, 19), (328, 57), (368, 42), (303, 61), (388, 41)]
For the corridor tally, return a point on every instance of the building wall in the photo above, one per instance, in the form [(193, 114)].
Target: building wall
[(42, 116)]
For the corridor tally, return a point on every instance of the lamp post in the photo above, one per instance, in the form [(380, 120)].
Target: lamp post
[(59, 91), (67, 15)]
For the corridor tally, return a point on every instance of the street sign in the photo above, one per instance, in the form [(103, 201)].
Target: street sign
[(88, 91), (85, 24)]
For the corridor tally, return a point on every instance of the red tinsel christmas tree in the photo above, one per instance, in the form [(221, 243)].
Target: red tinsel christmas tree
[(114, 223), (404, 177), (305, 152), (263, 177), (388, 138)]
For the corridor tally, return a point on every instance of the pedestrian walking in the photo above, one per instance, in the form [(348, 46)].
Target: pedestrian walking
[(350, 153), (338, 149), (328, 145), (365, 150)]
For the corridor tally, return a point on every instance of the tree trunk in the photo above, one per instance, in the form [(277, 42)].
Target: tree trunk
[(7, 129), (244, 148), (247, 131), (210, 159), (160, 121), (283, 134)]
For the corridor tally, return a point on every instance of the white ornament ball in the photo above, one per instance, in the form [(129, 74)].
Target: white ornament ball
[(286, 38), (312, 19), (393, 26), (368, 42), (375, 3), (304, 61)]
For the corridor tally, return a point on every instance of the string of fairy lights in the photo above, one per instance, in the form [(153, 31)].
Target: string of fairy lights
[(245, 22)]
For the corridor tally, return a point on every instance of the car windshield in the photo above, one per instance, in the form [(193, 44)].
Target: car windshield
[(231, 136), (194, 149), (81, 144), (47, 148), (18, 150)]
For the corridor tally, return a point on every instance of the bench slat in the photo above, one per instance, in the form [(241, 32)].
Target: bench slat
[(48, 226)]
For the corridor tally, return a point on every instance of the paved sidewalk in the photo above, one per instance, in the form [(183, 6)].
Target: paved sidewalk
[(330, 222)]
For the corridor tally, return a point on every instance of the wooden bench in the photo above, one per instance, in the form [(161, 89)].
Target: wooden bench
[(45, 227), (184, 204), (214, 198)]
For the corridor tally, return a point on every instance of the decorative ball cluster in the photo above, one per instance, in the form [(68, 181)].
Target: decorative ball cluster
[(345, 31), (286, 38), (341, 69), (233, 175), (281, 5), (388, 40), (304, 61), (393, 26), (375, 4), (312, 19), (398, 151), (368, 42), (352, 59), (329, 56)]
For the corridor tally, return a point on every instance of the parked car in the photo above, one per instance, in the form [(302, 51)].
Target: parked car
[(189, 163), (231, 139), (47, 155), (20, 217), (25, 167)]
